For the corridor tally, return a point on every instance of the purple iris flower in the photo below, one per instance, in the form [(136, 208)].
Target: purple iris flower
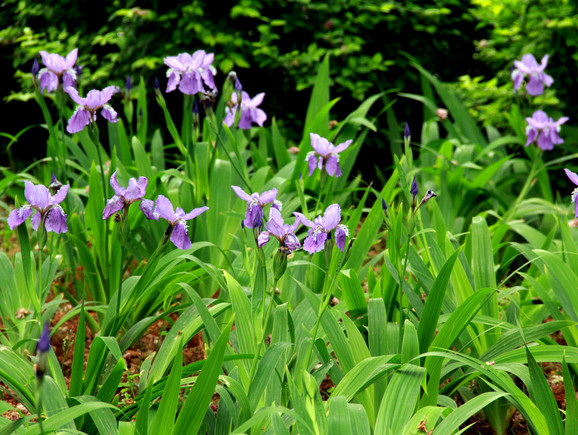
[(545, 130), (190, 72), (255, 204), (328, 155), (86, 110), (124, 197), (249, 110), (529, 67), (178, 229), (321, 228), (57, 68), (47, 206), (574, 179), (283, 232)]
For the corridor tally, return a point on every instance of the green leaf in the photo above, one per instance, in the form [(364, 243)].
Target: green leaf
[(195, 406), (165, 416)]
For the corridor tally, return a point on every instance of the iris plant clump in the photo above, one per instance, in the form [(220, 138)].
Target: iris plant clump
[(178, 230), (255, 204), (320, 229), (190, 72), (537, 78), (46, 208), (85, 113), (544, 130), (57, 68), (325, 155)]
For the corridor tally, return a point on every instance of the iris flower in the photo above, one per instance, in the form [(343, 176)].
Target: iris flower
[(574, 179), (255, 204), (47, 206), (57, 68), (325, 154), (283, 232), (321, 227), (545, 130), (249, 111), (124, 197), (178, 229), (537, 77), (86, 110), (190, 72)]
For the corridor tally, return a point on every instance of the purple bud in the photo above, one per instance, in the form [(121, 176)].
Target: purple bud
[(78, 70), (384, 205), (55, 185), (43, 344), (195, 107), (414, 190), (128, 83), (157, 85), (406, 132), (35, 67), (238, 86)]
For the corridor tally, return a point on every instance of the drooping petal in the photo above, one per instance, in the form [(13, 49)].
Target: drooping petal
[(174, 80), (147, 207), (35, 220), (80, 119), (259, 117), (242, 194), (180, 236), (18, 216), (548, 80), (572, 176), (189, 83), (534, 86), (340, 235), (109, 113), (56, 220), (517, 78), (113, 205), (332, 166), (532, 133), (555, 137), (312, 162), (545, 142), (194, 213), (165, 209), (268, 196), (315, 241), (245, 121), (263, 239), (48, 81), (331, 217), (68, 79), (209, 78)]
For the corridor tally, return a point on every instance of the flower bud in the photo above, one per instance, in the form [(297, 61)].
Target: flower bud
[(35, 67), (280, 262)]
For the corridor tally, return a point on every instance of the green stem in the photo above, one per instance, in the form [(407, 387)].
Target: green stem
[(527, 186)]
